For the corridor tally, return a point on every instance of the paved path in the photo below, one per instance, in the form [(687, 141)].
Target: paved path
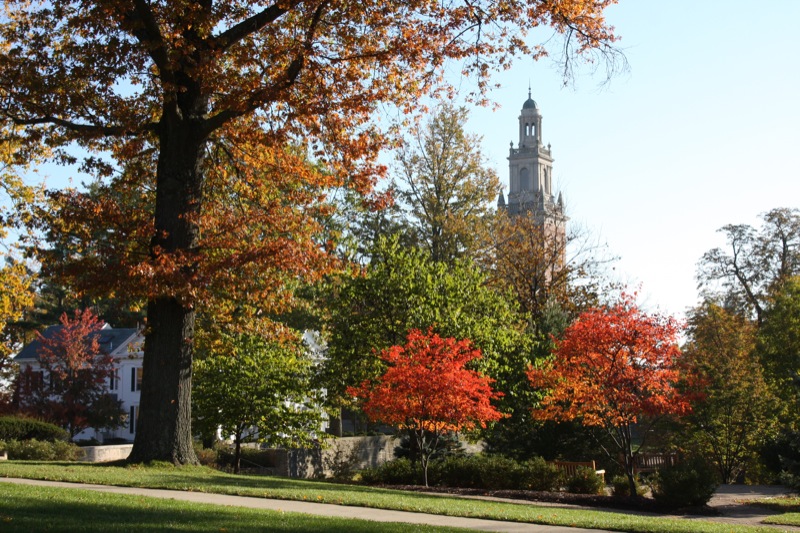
[(727, 500), (320, 509)]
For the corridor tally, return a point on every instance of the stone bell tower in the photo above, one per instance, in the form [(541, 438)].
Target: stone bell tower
[(530, 167)]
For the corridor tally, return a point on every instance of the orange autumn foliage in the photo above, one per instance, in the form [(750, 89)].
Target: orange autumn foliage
[(259, 226), (138, 92), (427, 388), (613, 366)]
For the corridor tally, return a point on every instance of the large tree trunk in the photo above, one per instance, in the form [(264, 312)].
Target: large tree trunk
[(164, 425)]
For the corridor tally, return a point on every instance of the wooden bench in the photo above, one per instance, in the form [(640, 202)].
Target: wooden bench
[(570, 468), (650, 462)]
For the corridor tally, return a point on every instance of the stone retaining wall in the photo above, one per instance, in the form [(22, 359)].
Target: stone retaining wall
[(102, 454), (339, 454)]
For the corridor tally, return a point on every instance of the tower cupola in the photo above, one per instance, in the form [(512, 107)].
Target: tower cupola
[(530, 164)]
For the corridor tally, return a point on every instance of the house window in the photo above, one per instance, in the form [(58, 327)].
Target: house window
[(134, 413), (113, 381), (136, 379)]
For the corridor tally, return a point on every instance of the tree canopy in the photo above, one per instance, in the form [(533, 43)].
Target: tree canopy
[(733, 409), (151, 84), (756, 262), (615, 366), (427, 390), (446, 186), (75, 371)]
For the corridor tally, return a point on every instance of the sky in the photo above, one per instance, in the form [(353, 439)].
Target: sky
[(700, 132)]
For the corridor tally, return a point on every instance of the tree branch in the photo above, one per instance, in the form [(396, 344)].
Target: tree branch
[(249, 26), (290, 76), (144, 27), (92, 129)]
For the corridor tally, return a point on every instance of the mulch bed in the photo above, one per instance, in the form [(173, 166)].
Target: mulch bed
[(638, 503)]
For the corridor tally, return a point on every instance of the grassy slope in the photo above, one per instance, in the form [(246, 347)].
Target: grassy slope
[(26, 509), (787, 519), (207, 480)]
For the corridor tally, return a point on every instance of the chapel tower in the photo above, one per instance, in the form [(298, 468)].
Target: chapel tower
[(530, 167)]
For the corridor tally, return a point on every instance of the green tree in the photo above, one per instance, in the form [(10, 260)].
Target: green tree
[(779, 345), (733, 410), (755, 264), (403, 289), (447, 188), (254, 389), (165, 77)]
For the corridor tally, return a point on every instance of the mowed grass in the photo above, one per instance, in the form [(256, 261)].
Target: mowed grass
[(201, 479), (28, 508), (779, 503), (787, 519)]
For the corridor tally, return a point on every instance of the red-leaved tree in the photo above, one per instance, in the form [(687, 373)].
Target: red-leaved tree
[(427, 391), (75, 369), (614, 367)]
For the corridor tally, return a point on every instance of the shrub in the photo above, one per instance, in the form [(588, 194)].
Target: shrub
[(689, 483), (206, 456), (585, 481), (478, 471), (20, 428), (396, 472), (492, 472), (787, 451), (541, 475), (621, 487), (36, 450)]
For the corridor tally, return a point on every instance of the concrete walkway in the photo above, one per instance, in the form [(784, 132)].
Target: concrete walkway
[(319, 509), (727, 501)]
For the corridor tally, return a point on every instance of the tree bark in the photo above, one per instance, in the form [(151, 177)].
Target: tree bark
[(164, 425), (237, 455)]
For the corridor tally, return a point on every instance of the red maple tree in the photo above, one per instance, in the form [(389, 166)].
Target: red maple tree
[(143, 92), (427, 391), (614, 368), (75, 370)]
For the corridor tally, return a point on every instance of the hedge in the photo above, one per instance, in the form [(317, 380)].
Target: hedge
[(20, 428)]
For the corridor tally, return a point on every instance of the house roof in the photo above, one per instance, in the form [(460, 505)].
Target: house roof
[(109, 338)]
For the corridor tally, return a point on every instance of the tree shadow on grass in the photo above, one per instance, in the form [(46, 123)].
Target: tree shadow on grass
[(28, 509)]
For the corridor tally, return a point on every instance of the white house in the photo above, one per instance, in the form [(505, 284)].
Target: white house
[(125, 346)]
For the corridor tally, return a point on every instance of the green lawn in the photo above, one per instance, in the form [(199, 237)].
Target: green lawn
[(787, 504), (786, 519), (26, 508), (202, 479)]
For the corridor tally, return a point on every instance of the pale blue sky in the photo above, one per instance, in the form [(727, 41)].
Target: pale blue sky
[(701, 132)]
